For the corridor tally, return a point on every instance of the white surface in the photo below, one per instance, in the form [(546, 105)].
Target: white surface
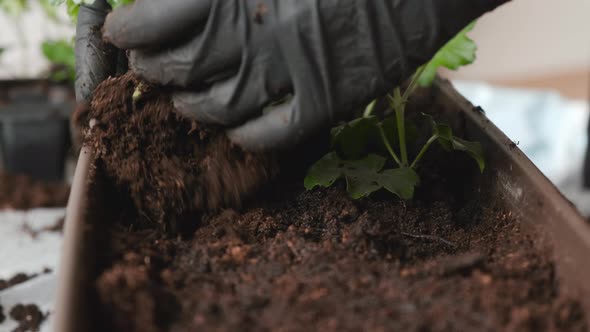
[(22, 38), (21, 253), (549, 129)]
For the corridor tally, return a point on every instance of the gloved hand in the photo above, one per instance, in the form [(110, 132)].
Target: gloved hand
[(95, 61), (333, 56)]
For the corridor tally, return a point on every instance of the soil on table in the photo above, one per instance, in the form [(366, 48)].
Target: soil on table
[(29, 317), (294, 260), (15, 280), (20, 192), (171, 167)]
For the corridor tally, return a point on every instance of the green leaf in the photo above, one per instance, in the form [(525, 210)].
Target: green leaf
[(118, 3), (363, 176), (400, 181), (61, 54), (474, 149), (353, 139), (49, 8), (445, 137), (459, 51)]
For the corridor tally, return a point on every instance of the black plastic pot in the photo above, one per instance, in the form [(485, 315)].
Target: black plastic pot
[(34, 128)]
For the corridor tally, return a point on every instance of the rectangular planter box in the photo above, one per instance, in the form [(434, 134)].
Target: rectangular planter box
[(510, 178)]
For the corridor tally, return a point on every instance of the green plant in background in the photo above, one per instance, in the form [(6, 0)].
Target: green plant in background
[(61, 54), (73, 6), (353, 143)]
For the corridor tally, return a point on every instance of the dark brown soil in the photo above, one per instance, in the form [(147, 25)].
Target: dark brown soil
[(19, 278), (2, 316), (21, 192), (171, 167), (450, 260), (15, 280), (28, 316), (319, 261)]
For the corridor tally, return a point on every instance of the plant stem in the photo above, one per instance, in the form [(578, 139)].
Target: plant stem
[(413, 83), (399, 106), (423, 151), (388, 146), (370, 108)]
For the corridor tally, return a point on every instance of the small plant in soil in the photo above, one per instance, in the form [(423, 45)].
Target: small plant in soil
[(363, 151)]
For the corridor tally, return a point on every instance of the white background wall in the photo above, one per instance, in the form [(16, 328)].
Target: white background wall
[(531, 38)]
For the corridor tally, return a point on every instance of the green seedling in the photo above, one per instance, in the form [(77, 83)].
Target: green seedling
[(358, 146)]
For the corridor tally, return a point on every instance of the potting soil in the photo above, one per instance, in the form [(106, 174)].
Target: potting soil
[(29, 317), (294, 260), (20, 192), (170, 166)]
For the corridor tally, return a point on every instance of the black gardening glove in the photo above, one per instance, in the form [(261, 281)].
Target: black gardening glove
[(95, 61), (333, 56)]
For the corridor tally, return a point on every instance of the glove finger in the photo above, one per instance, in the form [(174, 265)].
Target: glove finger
[(236, 99), (208, 55), (281, 127), (153, 22), (95, 59)]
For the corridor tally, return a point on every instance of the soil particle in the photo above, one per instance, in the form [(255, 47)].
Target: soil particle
[(28, 316), (171, 167), (2, 316), (22, 193)]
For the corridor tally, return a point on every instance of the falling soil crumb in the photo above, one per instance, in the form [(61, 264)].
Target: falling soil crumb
[(19, 192), (171, 167), (2, 316), (29, 317)]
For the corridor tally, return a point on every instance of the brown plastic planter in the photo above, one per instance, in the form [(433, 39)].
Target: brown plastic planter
[(510, 178)]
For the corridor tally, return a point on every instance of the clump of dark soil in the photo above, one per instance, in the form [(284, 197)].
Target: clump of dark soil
[(2, 316), (19, 278), (28, 316), (171, 167), (320, 261), (21, 192), (15, 280)]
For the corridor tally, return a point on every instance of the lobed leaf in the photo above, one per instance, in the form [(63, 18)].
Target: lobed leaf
[(459, 51), (363, 176), (445, 137), (352, 140)]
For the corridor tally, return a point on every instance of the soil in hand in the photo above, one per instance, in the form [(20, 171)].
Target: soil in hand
[(171, 167), (451, 260), (28, 316), (19, 192)]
